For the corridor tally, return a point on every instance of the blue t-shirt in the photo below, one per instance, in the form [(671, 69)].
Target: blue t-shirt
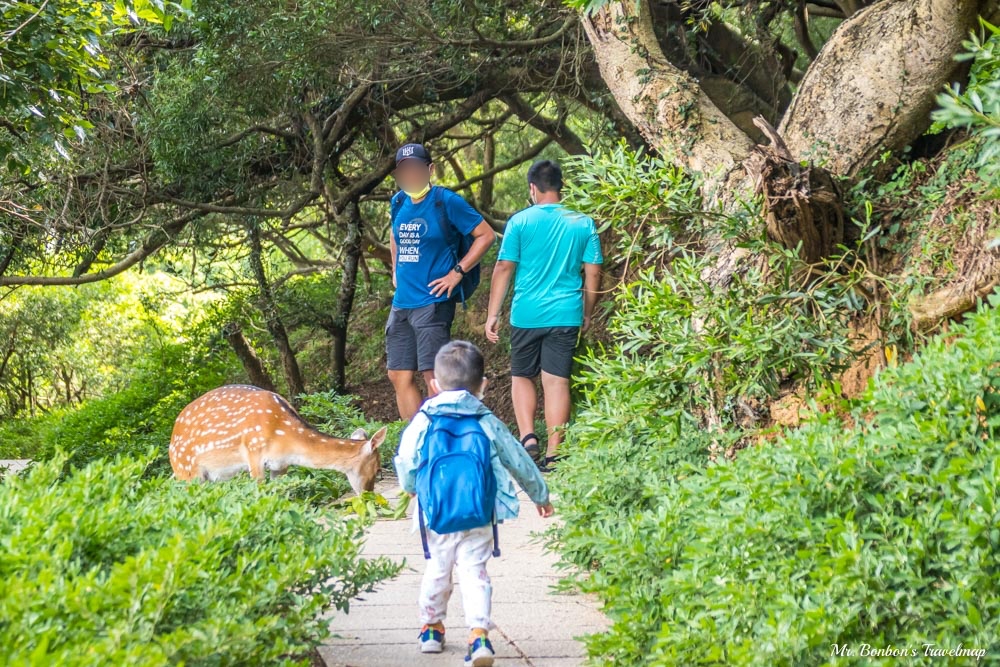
[(422, 250), (550, 244)]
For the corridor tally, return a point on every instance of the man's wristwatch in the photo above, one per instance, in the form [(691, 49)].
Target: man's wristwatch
[(458, 269)]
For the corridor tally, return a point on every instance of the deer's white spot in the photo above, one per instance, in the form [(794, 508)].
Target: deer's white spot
[(279, 432)]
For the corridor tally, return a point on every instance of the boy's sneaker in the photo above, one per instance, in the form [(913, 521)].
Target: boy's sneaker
[(431, 639), (480, 653)]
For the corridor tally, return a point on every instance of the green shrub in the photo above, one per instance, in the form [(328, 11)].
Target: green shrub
[(142, 414), (692, 367), (886, 533), (109, 566), (978, 106)]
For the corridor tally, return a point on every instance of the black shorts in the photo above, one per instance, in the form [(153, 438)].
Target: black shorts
[(549, 349), (413, 336)]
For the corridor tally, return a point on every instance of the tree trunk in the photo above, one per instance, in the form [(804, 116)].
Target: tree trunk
[(353, 247), (870, 89), (272, 319), (244, 351), (669, 108), (873, 85)]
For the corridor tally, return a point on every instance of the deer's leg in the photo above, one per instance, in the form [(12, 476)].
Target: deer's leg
[(254, 463)]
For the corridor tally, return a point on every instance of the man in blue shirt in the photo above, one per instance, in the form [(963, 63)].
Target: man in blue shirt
[(425, 272), (545, 247)]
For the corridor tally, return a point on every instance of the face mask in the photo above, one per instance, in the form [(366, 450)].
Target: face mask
[(421, 193)]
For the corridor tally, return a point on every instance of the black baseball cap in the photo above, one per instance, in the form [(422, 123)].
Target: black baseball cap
[(412, 151)]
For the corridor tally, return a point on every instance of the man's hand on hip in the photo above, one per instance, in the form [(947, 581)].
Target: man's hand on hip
[(446, 284)]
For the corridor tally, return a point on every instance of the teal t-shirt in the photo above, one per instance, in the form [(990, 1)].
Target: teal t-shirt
[(550, 244)]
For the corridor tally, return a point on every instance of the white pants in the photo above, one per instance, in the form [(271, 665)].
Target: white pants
[(469, 550)]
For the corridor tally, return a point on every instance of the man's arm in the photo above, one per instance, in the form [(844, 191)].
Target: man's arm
[(502, 272), (483, 237), (591, 287)]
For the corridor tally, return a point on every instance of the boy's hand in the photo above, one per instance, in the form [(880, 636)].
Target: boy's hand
[(545, 510)]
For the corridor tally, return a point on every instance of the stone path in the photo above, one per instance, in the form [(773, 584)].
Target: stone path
[(533, 625), (13, 465)]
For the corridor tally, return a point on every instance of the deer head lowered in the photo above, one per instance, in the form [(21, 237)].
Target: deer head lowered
[(239, 427)]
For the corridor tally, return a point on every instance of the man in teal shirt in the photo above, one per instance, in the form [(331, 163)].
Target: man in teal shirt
[(546, 247)]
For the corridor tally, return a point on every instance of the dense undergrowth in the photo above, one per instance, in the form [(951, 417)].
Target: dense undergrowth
[(716, 537)]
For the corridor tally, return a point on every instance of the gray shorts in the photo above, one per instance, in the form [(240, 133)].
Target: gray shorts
[(413, 336), (549, 349)]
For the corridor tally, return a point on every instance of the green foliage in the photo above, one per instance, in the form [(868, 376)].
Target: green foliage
[(110, 566), (644, 200), (130, 421), (882, 533), (978, 106), (63, 345), (55, 58), (645, 402), (371, 505)]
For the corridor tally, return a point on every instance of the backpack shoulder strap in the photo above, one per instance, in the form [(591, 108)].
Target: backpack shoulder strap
[(438, 192), (395, 203)]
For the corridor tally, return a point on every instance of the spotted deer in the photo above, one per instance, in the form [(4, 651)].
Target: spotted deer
[(240, 428)]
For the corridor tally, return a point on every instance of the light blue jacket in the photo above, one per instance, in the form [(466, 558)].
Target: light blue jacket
[(509, 459)]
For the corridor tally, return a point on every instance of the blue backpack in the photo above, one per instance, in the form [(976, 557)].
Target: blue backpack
[(459, 243), (455, 484)]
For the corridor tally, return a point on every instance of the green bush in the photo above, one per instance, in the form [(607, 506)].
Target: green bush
[(884, 533), (129, 421), (109, 566), (978, 106)]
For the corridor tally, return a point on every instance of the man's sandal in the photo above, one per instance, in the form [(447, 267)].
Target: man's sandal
[(548, 462), (533, 451)]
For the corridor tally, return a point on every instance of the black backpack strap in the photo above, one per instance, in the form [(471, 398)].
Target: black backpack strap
[(423, 532), (448, 230), (420, 513), (496, 536), (445, 223)]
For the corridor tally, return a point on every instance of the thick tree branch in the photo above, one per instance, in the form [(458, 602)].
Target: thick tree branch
[(153, 242), (670, 109), (873, 85), (554, 127)]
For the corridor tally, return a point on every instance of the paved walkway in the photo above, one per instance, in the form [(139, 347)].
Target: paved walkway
[(13, 465), (533, 625)]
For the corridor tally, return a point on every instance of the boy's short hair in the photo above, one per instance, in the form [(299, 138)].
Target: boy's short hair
[(546, 176), (459, 365)]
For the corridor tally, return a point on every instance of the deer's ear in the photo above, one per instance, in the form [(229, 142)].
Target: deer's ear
[(378, 438), (359, 434)]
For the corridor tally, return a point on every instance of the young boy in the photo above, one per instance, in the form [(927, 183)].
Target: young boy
[(458, 373)]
